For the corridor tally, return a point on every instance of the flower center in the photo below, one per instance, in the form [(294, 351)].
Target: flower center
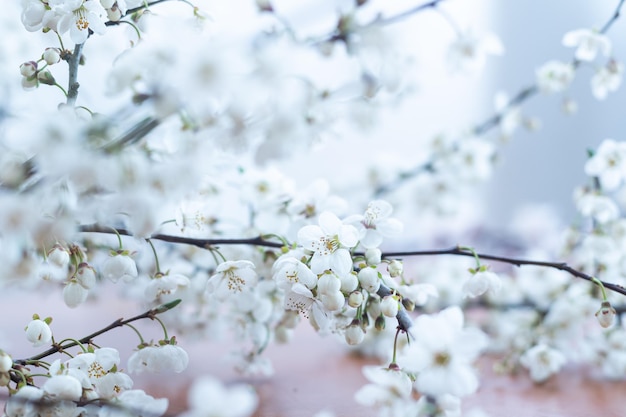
[(442, 358), (81, 21), (235, 282)]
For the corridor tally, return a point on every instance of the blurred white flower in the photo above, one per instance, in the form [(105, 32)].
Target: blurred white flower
[(165, 358), (388, 389), (481, 282), (469, 51), (119, 266), (607, 79), (209, 397), (588, 43), (608, 163), (542, 361), (554, 76)]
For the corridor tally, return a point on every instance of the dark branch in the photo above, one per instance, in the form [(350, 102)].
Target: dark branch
[(562, 266), (87, 339)]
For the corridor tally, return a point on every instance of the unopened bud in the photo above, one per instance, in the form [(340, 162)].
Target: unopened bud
[(373, 256), (354, 334), (5, 362), (395, 268), (355, 299), (380, 322), (5, 379), (409, 305), (28, 69), (606, 314), (45, 77), (389, 306), (51, 56)]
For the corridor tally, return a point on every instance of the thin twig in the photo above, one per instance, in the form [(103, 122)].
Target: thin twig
[(562, 266), (150, 314), (493, 121)]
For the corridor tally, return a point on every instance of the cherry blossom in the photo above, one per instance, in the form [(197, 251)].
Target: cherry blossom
[(608, 163), (231, 278), (442, 360), (329, 243), (375, 224), (554, 76), (588, 43), (542, 361)]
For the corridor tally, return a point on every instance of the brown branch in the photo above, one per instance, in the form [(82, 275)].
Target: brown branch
[(150, 314), (201, 243)]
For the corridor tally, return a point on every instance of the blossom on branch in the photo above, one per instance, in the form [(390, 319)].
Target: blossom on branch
[(329, 243), (442, 355), (588, 43)]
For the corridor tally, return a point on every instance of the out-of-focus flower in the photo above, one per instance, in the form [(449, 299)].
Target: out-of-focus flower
[(554, 76), (542, 361), (469, 51), (588, 43)]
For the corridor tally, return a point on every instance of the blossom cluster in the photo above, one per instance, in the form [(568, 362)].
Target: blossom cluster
[(177, 196)]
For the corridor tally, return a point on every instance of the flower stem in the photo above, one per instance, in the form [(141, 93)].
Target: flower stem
[(156, 257), (599, 284)]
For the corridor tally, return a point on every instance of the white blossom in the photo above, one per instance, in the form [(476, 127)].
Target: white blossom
[(119, 266), (376, 224), (155, 359), (555, 76), (481, 282), (608, 163), (443, 353), (38, 333), (542, 361), (468, 51), (232, 278), (607, 79), (588, 43), (209, 397), (329, 243)]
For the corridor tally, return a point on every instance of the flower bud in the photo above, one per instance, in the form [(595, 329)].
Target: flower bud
[(409, 305), (355, 299), (380, 323), (368, 278), (30, 83), (28, 69), (38, 333), (51, 56), (354, 334), (114, 14), (45, 77), (5, 361), (5, 379), (74, 294), (349, 282), (606, 314), (395, 268), (373, 256), (86, 276), (59, 256), (328, 284), (389, 306), (334, 301), (120, 266)]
